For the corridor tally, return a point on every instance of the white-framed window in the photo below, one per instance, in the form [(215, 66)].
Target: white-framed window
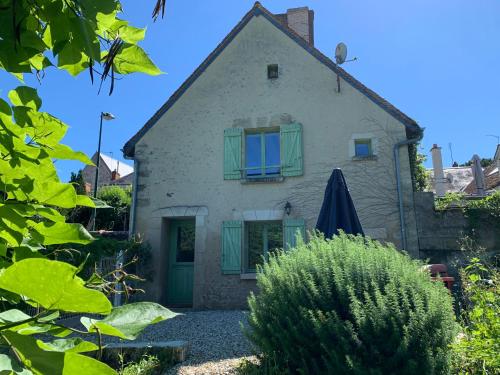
[(363, 146)]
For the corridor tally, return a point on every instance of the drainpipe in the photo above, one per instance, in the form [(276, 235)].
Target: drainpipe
[(131, 226), (395, 149)]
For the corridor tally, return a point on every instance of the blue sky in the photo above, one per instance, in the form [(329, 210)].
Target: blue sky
[(437, 61)]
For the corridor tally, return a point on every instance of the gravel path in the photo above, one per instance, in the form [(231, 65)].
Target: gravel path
[(216, 342)]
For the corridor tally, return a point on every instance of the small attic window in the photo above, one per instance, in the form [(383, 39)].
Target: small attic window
[(272, 71)]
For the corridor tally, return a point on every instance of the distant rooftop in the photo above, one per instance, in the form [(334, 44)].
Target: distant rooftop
[(458, 178), (122, 168)]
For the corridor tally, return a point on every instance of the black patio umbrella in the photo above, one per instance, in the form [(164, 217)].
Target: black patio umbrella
[(337, 211)]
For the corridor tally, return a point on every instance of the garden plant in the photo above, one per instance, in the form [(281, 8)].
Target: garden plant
[(350, 306), (35, 37), (478, 346)]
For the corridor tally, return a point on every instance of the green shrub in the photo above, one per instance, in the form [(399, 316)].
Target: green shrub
[(113, 218), (116, 216), (351, 306), (477, 350), (450, 200)]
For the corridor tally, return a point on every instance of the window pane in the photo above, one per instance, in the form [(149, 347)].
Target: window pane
[(262, 236), (185, 243), (253, 157), (274, 236), (363, 148), (272, 153), (255, 244)]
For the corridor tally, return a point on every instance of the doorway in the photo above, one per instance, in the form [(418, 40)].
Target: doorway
[(181, 245)]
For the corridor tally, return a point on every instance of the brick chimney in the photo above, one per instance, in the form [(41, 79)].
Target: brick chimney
[(115, 175), (300, 20), (437, 164)]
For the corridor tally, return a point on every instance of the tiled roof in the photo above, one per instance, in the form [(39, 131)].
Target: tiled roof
[(412, 128), (491, 180), (457, 178)]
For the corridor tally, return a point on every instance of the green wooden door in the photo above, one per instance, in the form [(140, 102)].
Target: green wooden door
[(180, 262)]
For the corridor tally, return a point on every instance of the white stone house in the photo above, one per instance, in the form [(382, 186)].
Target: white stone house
[(237, 160)]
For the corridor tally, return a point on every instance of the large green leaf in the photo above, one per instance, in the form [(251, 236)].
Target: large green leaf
[(53, 285), (132, 59), (45, 129), (60, 151), (9, 366), (59, 233), (42, 362), (72, 59), (130, 34), (75, 345), (54, 193), (27, 327), (12, 316), (13, 225), (49, 213), (128, 321), (85, 200), (25, 96)]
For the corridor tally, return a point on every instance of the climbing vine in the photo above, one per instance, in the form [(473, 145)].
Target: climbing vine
[(481, 211), (418, 171)]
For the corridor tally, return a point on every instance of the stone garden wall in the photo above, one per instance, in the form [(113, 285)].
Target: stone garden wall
[(440, 233)]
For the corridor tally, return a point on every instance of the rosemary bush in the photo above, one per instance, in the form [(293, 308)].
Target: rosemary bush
[(351, 306)]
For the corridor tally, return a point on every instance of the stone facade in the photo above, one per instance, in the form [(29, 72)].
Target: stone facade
[(180, 159)]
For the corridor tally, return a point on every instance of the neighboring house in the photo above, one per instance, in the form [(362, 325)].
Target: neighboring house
[(461, 179), (111, 172), (236, 162), (491, 176)]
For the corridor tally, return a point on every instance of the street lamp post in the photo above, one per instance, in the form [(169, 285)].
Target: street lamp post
[(104, 116)]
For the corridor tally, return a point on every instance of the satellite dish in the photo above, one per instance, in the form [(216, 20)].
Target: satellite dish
[(340, 53)]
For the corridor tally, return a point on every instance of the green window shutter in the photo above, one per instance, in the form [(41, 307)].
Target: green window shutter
[(232, 232), (232, 153), (294, 231), (291, 150)]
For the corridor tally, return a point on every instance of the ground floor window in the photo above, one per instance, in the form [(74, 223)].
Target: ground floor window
[(261, 238)]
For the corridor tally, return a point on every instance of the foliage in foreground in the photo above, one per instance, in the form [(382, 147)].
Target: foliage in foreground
[(147, 365), (351, 306), (477, 350), (135, 252), (74, 35)]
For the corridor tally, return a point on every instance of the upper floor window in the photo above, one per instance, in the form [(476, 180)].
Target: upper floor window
[(262, 154), (363, 147), (272, 71)]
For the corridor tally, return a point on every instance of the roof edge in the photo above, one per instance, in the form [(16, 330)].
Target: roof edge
[(412, 128)]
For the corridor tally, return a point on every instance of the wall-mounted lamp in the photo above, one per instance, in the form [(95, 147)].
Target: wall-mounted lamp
[(288, 208)]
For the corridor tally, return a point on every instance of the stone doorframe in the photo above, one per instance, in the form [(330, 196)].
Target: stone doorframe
[(200, 213)]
